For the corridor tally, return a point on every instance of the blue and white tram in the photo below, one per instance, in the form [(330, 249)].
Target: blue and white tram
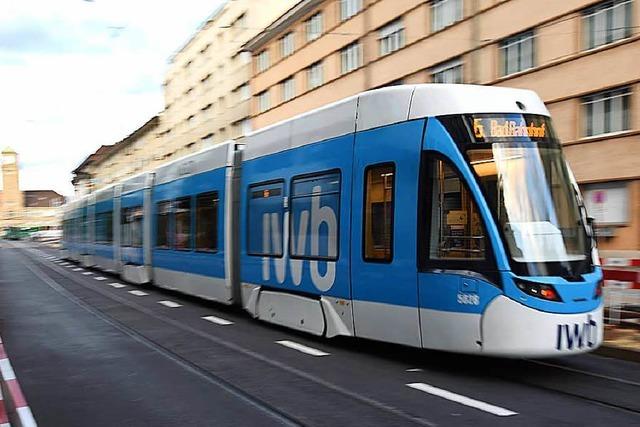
[(435, 216)]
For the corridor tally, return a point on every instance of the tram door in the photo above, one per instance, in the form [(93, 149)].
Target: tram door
[(383, 233)]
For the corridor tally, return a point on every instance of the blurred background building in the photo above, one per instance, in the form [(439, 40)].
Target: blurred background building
[(207, 97), (34, 209), (580, 56)]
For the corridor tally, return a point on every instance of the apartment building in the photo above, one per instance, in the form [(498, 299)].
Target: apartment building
[(113, 163), (580, 56), (207, 92)]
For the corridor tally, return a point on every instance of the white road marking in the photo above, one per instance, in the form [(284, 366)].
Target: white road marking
[(414, 370), (78, 269), (302, 348), (100, 278), (170, 304), (6, 370), (138, 293), (458, 398), (87, 273), (116, 285), (218, 320)]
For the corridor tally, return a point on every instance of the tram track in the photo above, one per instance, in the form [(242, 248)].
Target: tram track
[(264, 407), (275, 412), (612, 392)]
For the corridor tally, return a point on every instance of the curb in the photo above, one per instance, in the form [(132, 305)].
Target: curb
[(618, 353), (13, 405)]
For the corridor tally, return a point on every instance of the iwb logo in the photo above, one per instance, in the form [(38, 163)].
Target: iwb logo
[(577, 335), (319, 224)]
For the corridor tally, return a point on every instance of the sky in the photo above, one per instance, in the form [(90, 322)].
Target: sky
[(76, 74)]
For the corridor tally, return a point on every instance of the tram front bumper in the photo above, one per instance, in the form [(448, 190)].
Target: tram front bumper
[(510, 329)]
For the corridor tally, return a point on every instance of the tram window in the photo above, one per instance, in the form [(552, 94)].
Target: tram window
[(108, 227), (315, 206), (456, 225), (378, 213), (104, 228), (162, 221), (132, 227), (207, 222), (265, 219), (182, 230)]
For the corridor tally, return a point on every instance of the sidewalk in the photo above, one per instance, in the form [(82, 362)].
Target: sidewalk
[(621, 343)]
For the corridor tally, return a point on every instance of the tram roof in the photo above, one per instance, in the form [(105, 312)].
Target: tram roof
[(382, 107)]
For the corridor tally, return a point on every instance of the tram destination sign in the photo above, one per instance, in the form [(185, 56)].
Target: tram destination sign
[(510, 127)]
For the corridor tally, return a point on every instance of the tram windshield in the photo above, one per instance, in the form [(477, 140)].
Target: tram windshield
[(522, 172)]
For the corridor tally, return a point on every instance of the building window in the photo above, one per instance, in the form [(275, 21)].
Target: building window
[(182, 229), (207, 140), (207, 222), (445, 13), (314, 75), (245, 126), (313, 27), (287, 45), (449, 72), (606, 112), (311, 195), (245, 57), (265, 219), (264, 101), (378, 213), (517, 53), (391, 37), (606, 23), (162, 224), (263, 60), (241, 22), (348, 8), (351, 57), (288, 88), (245, 92)]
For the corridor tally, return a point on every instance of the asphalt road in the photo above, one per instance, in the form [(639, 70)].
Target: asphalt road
[(89, 349)]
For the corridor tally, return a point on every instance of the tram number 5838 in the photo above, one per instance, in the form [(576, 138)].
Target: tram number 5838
[(468, 299)]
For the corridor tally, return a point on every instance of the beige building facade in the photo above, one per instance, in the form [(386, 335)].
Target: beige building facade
[(581, 56), (207, 92)]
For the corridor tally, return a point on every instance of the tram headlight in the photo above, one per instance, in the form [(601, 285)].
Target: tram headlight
[(598, 293), (539, 290)]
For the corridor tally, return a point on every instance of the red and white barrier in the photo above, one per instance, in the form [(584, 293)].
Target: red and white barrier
[(12, 402), (620, 262)]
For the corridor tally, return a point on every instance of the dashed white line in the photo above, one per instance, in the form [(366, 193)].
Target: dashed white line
[(116, 285), (464, 400), (138, 293), (100, 278), (218, 320), (302, 348), (414, 370), (170, 304), (78, 269), (87, 273)]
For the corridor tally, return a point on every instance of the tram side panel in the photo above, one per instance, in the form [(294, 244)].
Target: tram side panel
[(131, 236), (383, 234), (103, 246), (188, 245), (295, 231)]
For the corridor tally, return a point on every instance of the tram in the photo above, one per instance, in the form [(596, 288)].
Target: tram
[(435, 216)]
